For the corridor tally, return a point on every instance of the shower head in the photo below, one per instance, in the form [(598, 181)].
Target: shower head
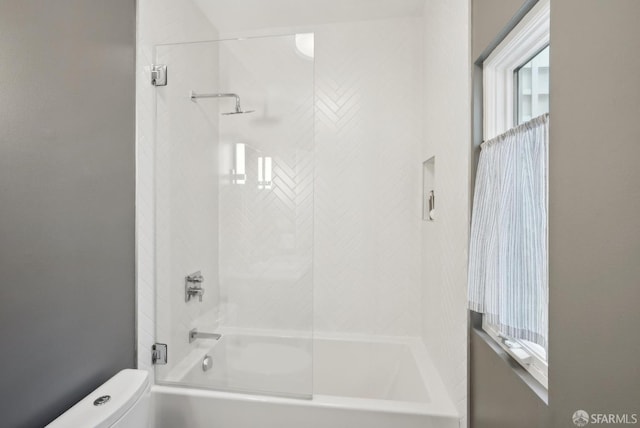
[(229, 113), (238, 109)]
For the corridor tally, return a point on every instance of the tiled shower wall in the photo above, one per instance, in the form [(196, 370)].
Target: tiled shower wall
[(266, 234), (159, 21), (366, 237), (445, 241), (367, 171), (367, 190), (369, 146)]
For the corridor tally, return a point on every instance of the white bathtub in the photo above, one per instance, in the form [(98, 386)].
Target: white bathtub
[(357, 382)]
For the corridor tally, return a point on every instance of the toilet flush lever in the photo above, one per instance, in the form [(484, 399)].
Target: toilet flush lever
[(193, 286)]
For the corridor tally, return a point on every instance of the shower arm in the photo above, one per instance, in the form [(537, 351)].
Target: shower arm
[(195, 96)]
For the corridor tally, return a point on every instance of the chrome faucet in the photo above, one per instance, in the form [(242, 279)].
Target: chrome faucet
[(195, 334), (193, 286)]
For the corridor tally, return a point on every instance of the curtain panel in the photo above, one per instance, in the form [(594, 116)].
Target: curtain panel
[(508, 254)]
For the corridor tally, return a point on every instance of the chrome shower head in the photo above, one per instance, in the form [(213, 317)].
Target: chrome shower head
[(229, 113), (238, 109)]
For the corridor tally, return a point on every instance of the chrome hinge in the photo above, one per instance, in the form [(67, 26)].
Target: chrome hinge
[(159, 75), (159, 354)]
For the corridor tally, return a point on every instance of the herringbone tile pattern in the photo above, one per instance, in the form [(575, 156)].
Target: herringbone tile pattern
[(266, 234), (368, 131), (365, 212), (362, 210), (337, 235)]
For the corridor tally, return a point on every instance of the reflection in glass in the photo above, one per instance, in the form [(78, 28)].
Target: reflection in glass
[(265, 174), (238, 173)]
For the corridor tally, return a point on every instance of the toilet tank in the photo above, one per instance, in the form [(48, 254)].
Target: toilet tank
[(121, 402)]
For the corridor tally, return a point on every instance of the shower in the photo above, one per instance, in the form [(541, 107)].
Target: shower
[(238, 109), (264, 213)]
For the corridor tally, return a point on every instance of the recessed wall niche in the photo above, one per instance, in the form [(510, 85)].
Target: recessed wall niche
[(428, 189)]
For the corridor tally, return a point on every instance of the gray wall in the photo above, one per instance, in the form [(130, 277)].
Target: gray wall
[(594, 208), (67, 184), (488, 19), (594, 227), (499, 396)]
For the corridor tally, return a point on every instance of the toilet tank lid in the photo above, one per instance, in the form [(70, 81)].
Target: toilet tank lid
[(124, 389)]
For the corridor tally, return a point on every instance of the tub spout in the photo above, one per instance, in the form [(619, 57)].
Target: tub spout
[(195, 334)]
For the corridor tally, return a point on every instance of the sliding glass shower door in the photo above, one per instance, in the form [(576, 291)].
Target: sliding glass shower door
[(234, 214)]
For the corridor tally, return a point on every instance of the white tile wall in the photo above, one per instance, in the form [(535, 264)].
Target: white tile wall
[(159, 21), (369, 148), (366, 250), (266, 235), (445, 241), (186, 177), (367, 193)]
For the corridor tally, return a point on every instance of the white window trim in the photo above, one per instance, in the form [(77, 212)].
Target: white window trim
[(529, 37), (530, 360)]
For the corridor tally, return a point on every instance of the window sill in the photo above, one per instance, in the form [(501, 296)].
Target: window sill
[(536, 387)]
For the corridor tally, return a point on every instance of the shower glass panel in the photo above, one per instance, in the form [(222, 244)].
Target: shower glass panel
[(234, 215)]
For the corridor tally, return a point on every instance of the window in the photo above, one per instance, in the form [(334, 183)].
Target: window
[(532, 97), (500, 70), (516, 89)]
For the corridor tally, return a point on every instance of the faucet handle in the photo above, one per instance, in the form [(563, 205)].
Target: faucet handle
[(193, 286), (192, 291), (195, 278)]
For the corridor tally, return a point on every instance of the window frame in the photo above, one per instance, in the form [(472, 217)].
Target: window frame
[(524, 42), (527, 39)]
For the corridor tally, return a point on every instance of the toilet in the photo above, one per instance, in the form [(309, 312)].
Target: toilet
[(121, 402)]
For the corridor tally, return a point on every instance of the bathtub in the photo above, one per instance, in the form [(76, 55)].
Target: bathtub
[(350, 382)]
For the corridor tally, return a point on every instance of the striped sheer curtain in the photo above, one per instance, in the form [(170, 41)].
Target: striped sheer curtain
[(508, 264)]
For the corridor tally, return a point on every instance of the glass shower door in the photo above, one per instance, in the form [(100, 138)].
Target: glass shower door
[(234, 215)]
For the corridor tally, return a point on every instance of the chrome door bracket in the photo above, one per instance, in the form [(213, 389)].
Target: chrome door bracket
[(159, 75), (159, 354)]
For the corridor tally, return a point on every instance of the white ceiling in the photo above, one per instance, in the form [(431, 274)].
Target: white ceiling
[(236, 16)]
